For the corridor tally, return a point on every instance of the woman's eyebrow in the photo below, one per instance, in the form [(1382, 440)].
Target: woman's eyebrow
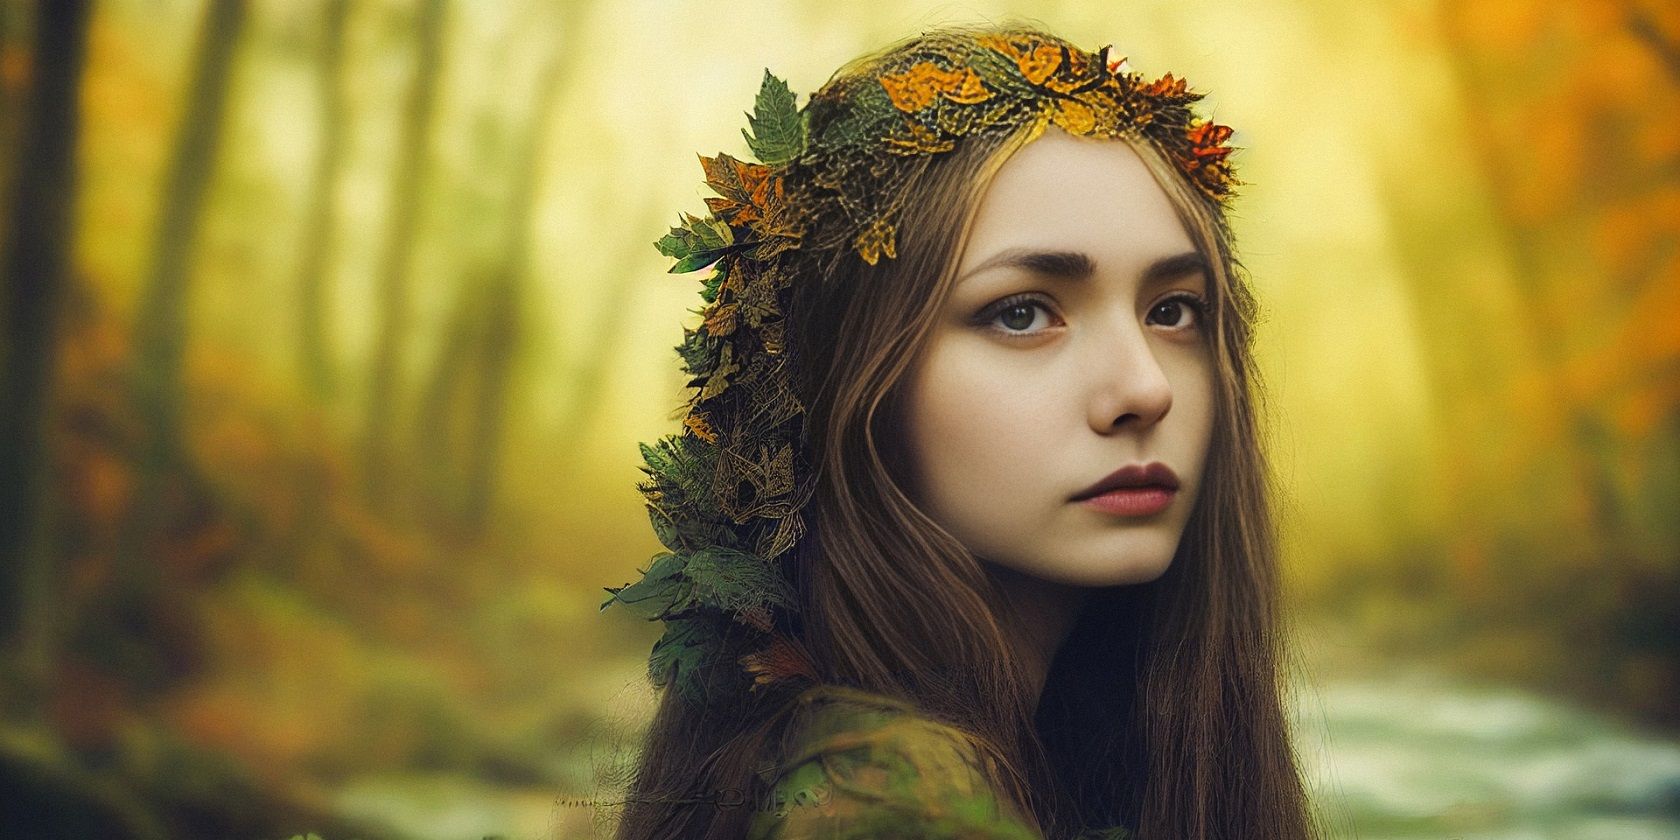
[(1077, 265), (1070, 265), (1171, 268)]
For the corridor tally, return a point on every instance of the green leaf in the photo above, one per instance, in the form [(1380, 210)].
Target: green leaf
[(684, 646), (657, 592), (723, 579), (680, 534), (696, 243), (681, 504), (709, 286), (735, 580), (695, 262), (778, 128), (699, 351)]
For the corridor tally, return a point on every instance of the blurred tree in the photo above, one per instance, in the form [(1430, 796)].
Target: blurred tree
[(11, 99), (160, 328), (506, 291), (466, 400), (314, 328), (391, 335), (37, 268), (311, 528)]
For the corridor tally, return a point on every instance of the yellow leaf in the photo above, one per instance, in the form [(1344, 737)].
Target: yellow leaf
[(875, 240)]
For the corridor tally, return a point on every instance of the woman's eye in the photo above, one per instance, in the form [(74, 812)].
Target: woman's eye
[(1179, 312), (1018, 318)]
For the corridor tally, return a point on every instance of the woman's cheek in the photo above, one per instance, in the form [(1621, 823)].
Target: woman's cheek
[(994, 422)]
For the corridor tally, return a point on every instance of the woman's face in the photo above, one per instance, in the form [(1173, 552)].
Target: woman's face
[(1072, 345)]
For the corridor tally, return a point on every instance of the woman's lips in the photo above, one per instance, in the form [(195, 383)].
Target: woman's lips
[(1146, 500)]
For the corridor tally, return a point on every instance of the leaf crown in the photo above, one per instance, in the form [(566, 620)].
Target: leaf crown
[(725, 493)]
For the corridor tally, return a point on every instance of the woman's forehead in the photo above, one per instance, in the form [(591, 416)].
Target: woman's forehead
[(1079, 195)]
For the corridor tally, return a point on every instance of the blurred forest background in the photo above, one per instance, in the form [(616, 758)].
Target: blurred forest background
[(330, 330)]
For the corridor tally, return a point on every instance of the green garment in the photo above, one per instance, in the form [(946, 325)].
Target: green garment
[(869, 766)]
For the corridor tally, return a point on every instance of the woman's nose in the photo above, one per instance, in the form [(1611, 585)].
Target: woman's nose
[(1129, 387)]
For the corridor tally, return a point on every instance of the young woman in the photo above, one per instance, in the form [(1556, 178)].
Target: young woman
[(968, 523)]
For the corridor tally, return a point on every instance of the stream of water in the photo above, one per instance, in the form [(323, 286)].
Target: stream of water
[(1406, 755), (1414, 755)]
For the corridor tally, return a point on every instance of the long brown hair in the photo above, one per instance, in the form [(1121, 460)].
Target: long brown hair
[(1163, 709)]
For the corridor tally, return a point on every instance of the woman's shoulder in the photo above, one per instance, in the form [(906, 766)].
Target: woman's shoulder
[(867, 765)]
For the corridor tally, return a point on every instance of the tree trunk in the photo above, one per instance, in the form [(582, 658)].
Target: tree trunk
[(501, 344), (501, 324), (437, 424), (11, 120), (36, 269), (391, 340), (160, 330), (131, 613), (314, 326)]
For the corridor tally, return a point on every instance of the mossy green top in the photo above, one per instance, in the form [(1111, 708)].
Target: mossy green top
[(870, 766)]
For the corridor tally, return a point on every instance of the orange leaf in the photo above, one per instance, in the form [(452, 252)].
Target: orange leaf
[(783, 658), (918, 87), (1166, 86), (1037, 61), (696, 423)]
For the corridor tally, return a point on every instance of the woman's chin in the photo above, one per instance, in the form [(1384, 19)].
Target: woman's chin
[(1100, 572)]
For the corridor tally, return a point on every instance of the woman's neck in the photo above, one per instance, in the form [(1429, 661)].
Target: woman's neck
[(1044, 615)]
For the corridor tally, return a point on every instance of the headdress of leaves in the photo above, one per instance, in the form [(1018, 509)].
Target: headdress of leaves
[(725, 493)]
